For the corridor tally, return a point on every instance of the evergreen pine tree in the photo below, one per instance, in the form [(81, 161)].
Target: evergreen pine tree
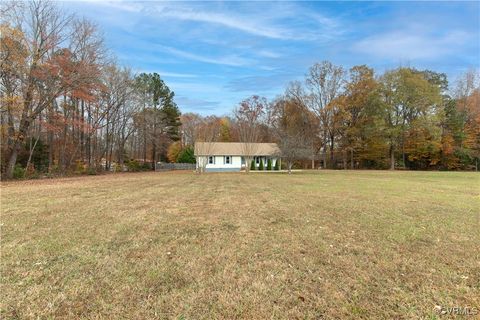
[(260, 167), (277, 165), (252, 165), (269, 164)]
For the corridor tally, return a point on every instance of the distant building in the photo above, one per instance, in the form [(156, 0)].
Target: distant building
[(233, 156)]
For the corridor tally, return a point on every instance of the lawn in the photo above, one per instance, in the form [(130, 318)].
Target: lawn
[(311, 245)]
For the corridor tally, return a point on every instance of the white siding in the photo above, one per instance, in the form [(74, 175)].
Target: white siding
[(219, 162), (236, 163)]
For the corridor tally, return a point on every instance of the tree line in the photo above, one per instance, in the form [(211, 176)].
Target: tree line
[(66, 104), (353, 119)]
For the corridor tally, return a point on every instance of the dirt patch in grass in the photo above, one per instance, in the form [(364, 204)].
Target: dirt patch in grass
[(329, 244)]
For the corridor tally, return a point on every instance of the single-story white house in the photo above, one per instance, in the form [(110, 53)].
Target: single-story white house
[(233, 156)]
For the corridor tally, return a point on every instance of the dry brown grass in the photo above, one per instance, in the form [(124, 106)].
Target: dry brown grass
[(312, 245)]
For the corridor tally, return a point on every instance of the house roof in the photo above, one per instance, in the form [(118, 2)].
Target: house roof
[(235, 149)]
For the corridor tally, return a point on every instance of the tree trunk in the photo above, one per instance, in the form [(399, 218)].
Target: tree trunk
[(11, 130), (392, 158), (94, 149), (325, 145), (121, 152), (63, 156), (133, 146), (107, 146), (110, 156), (23, 128), (154, 141), (12, 161), (32, 149), (50, 142), (154, 155), (74, 119), (352, 165), (24, 124), (144, 134), (332, 155), (82, 132), (89, 134)]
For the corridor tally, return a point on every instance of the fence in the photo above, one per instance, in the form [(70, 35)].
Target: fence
[(161, 166)]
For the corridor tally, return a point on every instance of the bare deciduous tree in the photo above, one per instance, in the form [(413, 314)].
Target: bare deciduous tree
[(190, 123), (207, 133), (324, 83), (44, 28), (294, 126), (250, 115)]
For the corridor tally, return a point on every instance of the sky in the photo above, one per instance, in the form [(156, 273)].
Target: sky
[(215, 54)]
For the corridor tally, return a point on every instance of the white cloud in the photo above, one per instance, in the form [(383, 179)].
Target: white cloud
[(194, 87), (268, 21), (326, 21), (226, 20), (412, 45), (169, 74), (117, 4), (195, 102), (229, 60), (177, 75), (268, 54)]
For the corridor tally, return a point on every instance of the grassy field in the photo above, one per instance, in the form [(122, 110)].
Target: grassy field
[(313, 245)]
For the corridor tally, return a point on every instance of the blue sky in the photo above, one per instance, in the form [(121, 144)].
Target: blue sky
[(214, 54)]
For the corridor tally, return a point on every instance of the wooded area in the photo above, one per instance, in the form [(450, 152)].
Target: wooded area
[(404, 118), (68, 106)]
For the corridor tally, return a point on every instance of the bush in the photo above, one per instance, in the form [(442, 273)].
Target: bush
[(269, 164), (117, 167), (53, 171), (277, 165), (297, 165), (34, 175), (252, 165), (91, 171), (186, 156), (79, 167), (18, 172), (30, 171), (134, 166), (174, 151), (39, 156), (260, 166)]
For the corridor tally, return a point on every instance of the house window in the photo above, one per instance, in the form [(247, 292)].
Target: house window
[(227, 159), (257, 160), (211, 160)]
